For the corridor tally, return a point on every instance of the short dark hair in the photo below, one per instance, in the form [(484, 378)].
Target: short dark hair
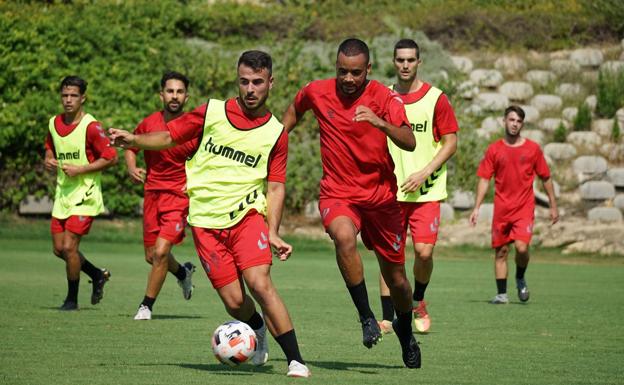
[(72, 80), (353, 47), (407, 43), (517, 109), (173, 75), (256, 60)]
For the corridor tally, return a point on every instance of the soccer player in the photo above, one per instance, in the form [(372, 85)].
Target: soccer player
[(421, 174), (513, 161), (165, 204), (242, 147), (358, 187), (78, 150)]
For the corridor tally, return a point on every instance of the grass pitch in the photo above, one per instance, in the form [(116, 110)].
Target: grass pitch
[(569, 333)]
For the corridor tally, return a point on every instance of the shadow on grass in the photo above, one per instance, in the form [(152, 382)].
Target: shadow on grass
[(487, 302), (361, 367), (175, 316), (219, 369)]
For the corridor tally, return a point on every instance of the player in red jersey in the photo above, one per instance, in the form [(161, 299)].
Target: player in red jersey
[(356, 116), (513, 161), (165, 204), (73, 218), (421, 175), (242, 146)]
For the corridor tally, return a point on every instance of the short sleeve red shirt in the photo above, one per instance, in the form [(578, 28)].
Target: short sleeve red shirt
[(97, 143), (514, 170), (444, 120), (190, 127), (165, 169), (356, 163)]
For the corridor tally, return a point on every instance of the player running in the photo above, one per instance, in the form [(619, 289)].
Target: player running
[(78, 150), (421, 174), (242, 147), (356, 116), (165, 204), (513, 161)]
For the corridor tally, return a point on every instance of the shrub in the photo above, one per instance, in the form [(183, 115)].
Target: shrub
[(560, 133), (582, 121), (615, 131), (610, 94)]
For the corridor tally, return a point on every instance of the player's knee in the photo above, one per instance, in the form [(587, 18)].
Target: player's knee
[(159, 257), (501, 252), (233, 305), (69, 249), (424, 256), (522, 248), (58, 252)]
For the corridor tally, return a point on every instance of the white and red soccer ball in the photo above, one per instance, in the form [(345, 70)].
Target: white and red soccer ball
[(234, 342)]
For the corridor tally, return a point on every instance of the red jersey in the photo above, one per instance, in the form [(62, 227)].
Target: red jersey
[(356, 163), (165, 169), (190, 126), (444, 120), (514, 169), (97, 143)]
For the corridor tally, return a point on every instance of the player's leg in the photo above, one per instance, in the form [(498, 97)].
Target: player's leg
[(261, 287), (342, 223), (500, 274), (423, 267), (522, 262), (401, 292), (424, 222), (384, 233), (387, 308), (253, 258), (69, 249), (172, 213)]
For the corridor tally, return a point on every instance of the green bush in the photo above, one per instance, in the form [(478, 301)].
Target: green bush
[(582, 121), (560, 133), (616, 132), (610, 95)]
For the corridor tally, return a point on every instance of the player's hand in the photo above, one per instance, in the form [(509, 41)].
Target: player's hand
[(281, 249), (120, 138), (474, 216), (413, 182), (554, 215), (51, 164), (72, 170), (365, 114), (137, 175)]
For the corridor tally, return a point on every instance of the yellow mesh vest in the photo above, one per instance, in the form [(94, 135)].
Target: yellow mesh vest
[(420, 115), (82, 194), (226, 176)]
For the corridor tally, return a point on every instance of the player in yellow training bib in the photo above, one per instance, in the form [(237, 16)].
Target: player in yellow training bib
[(421, 175)]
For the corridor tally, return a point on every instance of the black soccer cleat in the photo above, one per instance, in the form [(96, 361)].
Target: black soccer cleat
[(68, 306), (98, 287), (371, 333), (409, 348)]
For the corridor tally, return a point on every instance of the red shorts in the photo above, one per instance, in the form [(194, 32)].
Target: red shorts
[(506, 231), (225, 253), (164, 216), (381, 227), (77, 224), (423, 219)]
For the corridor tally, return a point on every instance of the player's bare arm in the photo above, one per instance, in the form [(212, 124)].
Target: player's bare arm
[(291, 118), (137, 174), (50, 162), (482, 188), (150, 141), (550, 191), (402, 136), (276, 193), (99, 165), (449, 146)]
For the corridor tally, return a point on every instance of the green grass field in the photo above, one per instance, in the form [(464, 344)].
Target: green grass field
[(570, 332)]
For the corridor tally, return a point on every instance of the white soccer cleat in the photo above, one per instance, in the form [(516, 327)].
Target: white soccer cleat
[(144, 313), (500, 299), (262, 353), (297, 369), (187, 283)]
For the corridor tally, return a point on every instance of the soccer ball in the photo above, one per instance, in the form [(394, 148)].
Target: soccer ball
[(234, 342)]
